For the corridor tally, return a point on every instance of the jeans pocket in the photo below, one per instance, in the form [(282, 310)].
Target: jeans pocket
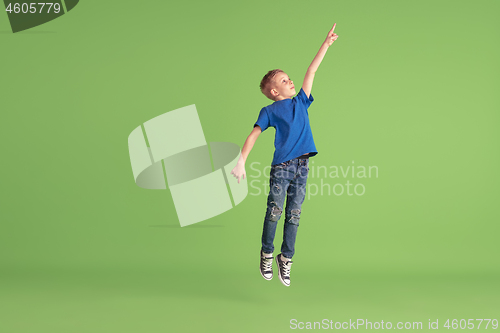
[(304, 162), (303, 167)]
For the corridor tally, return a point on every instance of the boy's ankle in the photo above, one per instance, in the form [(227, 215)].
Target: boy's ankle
[(285, 258), (265, 255)]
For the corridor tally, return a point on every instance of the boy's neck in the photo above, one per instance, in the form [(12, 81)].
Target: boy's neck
[(280, 98)]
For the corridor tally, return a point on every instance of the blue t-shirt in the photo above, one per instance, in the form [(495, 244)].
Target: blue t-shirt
[(290, 119)]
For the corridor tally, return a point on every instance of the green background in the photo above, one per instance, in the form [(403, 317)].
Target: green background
[(409, 86)]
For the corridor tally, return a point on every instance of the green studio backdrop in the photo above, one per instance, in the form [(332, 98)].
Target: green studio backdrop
[(410, 89)]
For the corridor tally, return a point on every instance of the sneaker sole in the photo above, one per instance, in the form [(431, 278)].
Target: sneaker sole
[(279, 274), (264, 276)]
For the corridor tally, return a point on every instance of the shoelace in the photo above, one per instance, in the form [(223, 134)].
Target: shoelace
[(267, 263), (287, 265)]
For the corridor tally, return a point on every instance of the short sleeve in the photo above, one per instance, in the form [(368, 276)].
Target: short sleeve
[(263, 120), (302, 98)]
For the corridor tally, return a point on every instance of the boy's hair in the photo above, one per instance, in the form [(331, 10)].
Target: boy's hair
[(267, 81)]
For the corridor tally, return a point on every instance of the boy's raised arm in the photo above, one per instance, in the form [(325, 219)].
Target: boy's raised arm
[(309, 78), (239, 169)]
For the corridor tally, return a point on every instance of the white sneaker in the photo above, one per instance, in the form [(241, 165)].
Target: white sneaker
[(266, 266), (284, 267)]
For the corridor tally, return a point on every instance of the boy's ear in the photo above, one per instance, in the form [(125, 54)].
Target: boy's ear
[(274, 92)]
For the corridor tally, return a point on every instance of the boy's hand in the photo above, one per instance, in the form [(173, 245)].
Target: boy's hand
[(331, 37), (239, 171)]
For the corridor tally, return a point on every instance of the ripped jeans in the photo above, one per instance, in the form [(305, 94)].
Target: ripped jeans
[(286, 179)]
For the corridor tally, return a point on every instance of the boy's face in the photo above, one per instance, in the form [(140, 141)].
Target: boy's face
[(283, 87)]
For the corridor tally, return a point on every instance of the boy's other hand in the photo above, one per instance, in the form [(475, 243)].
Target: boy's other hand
[(239, 171), (331, 37)]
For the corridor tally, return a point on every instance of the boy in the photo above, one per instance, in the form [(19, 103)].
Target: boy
[(294, 145)]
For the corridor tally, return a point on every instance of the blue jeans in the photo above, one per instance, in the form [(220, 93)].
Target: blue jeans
[(287, 179)]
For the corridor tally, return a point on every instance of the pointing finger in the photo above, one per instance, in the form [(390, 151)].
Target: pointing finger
[(333, 27)]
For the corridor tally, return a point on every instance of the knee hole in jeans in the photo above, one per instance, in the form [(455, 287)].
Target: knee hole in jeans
[(294, 217), (275, 212)]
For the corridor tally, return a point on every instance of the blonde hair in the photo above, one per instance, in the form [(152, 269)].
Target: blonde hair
[(266, 83)]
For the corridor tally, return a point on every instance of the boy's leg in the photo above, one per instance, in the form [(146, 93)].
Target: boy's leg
[(295, 197), (279, 179)]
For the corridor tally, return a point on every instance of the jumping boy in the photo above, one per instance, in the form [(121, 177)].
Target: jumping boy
[(294, 145)]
